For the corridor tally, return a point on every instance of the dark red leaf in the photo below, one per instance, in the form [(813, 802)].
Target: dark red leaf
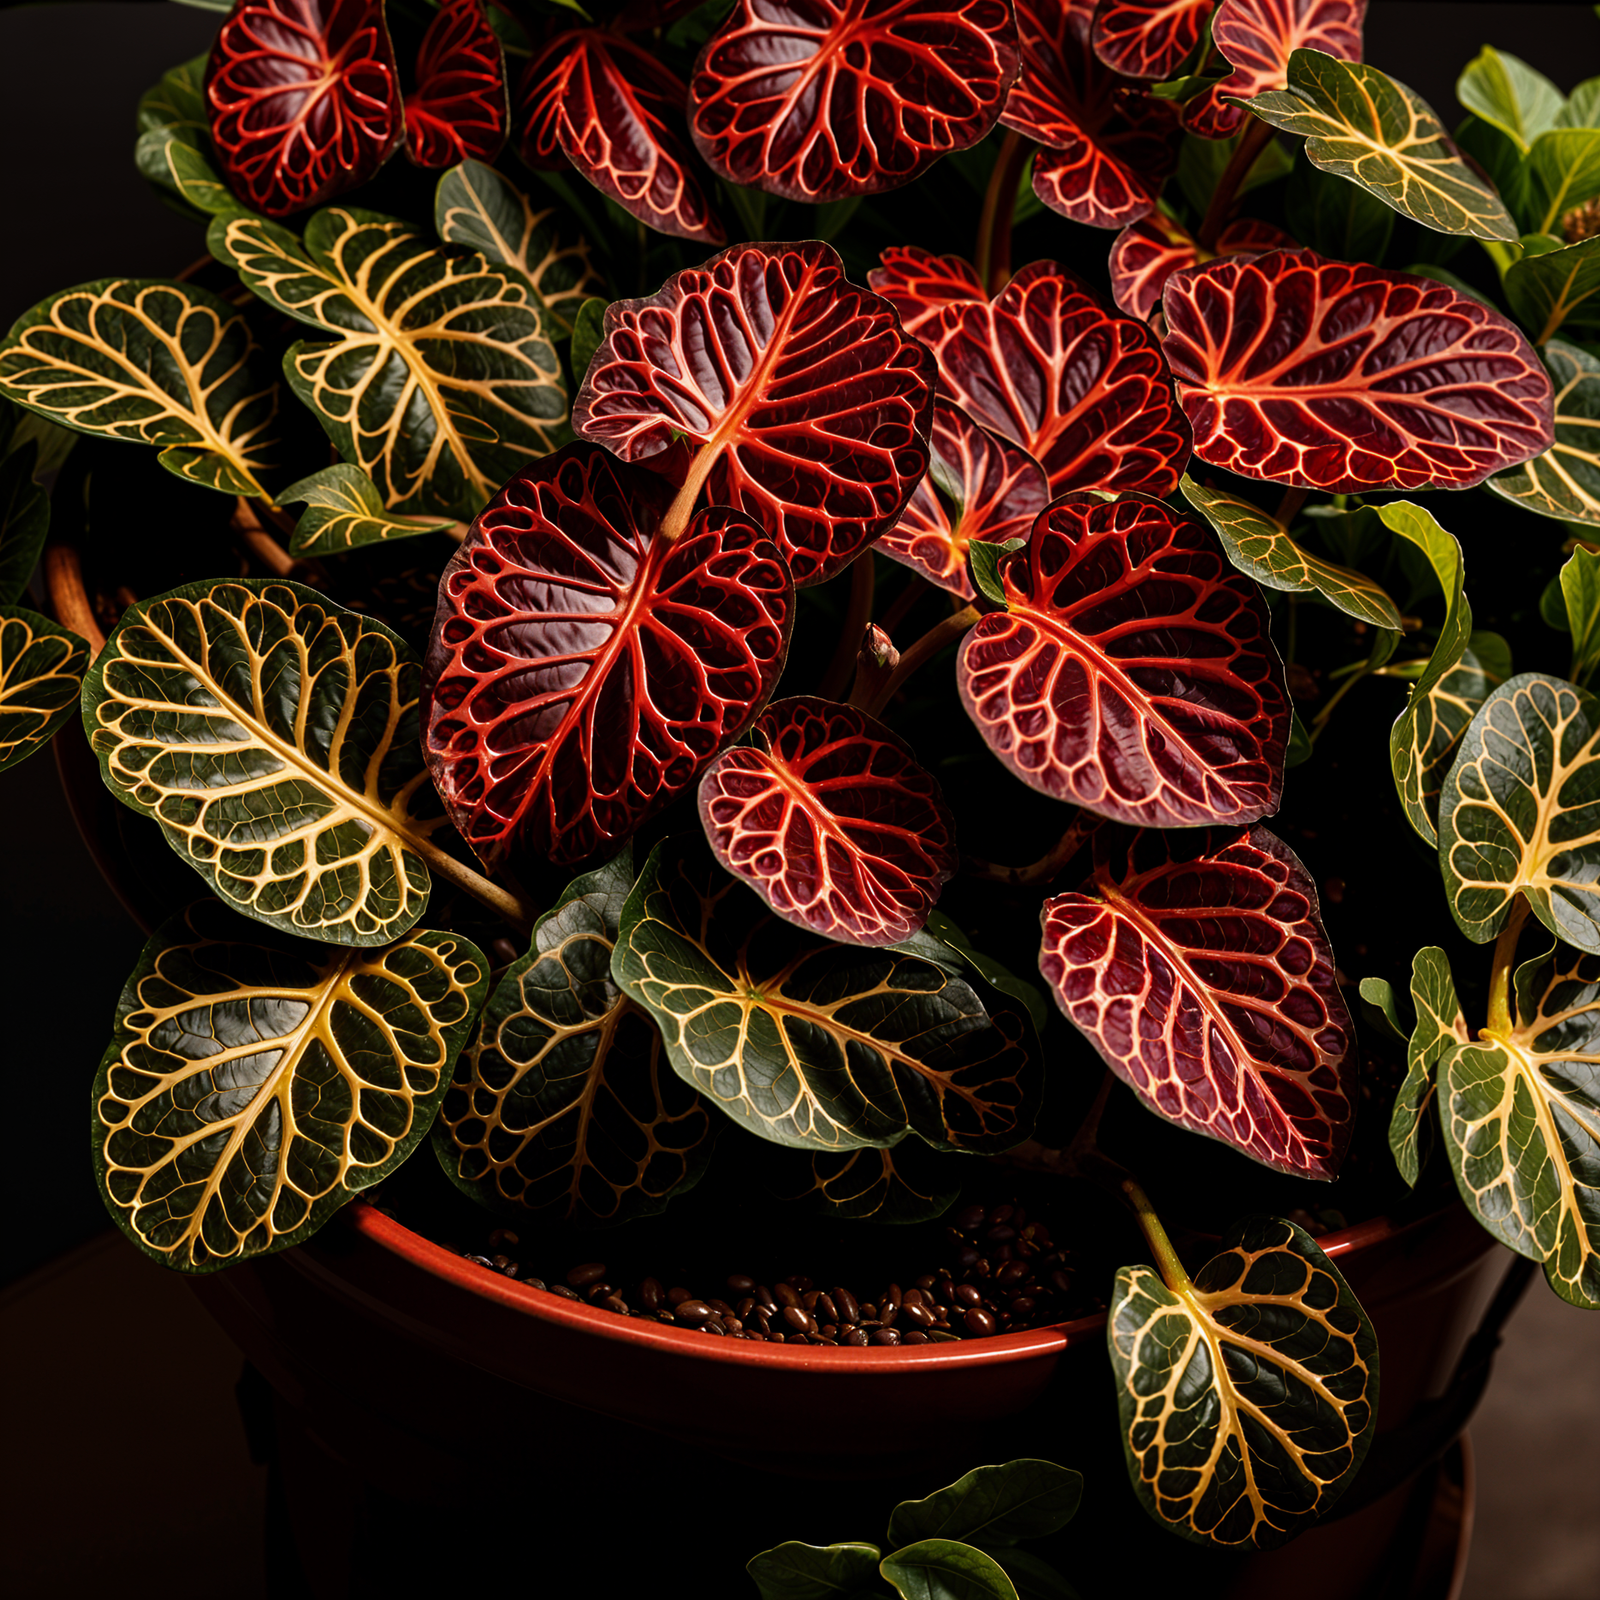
[(827, 816), (616, 113), (1002, 489), (1146, 253), (1148, 38), (917, 283), (1256, 37), (1085, 393), (819, 99), (1132, 673), (810, 406), (582, 672), (304, 100), (1323, 375), (1198, 966), (1107, 144), (459, 108)]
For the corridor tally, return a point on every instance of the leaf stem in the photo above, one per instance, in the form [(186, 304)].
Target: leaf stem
[(682, 507), (929, 645), (1289, 507), (993, 248), (512, 907), (1172, 1273), (858, 613), (1255, 138), (1048, 866), (69, 600), (1505, 954)]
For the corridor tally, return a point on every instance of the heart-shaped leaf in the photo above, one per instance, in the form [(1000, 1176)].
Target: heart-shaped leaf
[(304, 100), (1362, 125), (165, 364), (1023, 1499), (1001, 489), (903, 1184), (477, 208), (179, 158), (1148, 39), (274, 738), (1197, 966), (1564, 481), (256, 1083), (24, 517), (458, 109), (562, 1105), (811, 1044), (1074, 687), (826, 814), (1516, 815), (1521, 1115), (1349, 378), (41, 674), (1084, 392), (616, 113), (1249, 1396), (1257, 544), (840, 98), (1507, 92), (1147, 252), (796, 1571), (942, 1569), (1545, 290), (917, 283), (1440, 1027), (440, 379), (582, 671), (343, 511), (1107, 145), (809, 405)]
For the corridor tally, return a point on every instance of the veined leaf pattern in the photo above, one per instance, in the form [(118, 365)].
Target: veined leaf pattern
[(1440, 1027), (344, 511), (1546, 290), (41, 675), (903, 1183), (1563, 481)]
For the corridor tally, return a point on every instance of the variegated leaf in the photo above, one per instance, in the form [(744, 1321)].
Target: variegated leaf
[(1563, 481), (41, 675), (344, 511), (1440, 1027)]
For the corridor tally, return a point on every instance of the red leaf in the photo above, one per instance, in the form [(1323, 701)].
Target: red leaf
[(1085, 393), (1002, 490), (1256, 38), (917, 283), (617, 115), (1323, 375), (1199, 969), (1148, 38), (1146, 253), (459, 109), (828, 98), (304, 100), (810, 406), (582, 672), (828, 817), (1108, 145), (1132, 673)]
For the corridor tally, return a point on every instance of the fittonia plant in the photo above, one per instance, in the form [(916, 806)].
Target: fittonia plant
[(661, 735)]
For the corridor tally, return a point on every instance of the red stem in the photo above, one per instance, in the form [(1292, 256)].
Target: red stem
[(999, 202)]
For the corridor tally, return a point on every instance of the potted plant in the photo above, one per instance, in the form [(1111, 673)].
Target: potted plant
[(560, 394)]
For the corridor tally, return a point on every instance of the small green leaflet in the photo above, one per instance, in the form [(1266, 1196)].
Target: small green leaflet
[(1024, 1499), (1509, 94), (1439, 1028), (1364, 126), (178, 156), (1381, 1007), (984, 558), (1546, 290), (588, 330), (41, 674), (1452, 703), (179, 96), (942, 1569), (344, 510), (796, 1571), (1564, 481), (1580, 588), (1563, 172)]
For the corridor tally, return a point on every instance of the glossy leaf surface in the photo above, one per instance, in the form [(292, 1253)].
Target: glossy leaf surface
[(1346, 378), (1084, 392), (1580, 594), (41, 673), (439, 380), (1249, 1397), (1439, 717), (1546, 290), (844, 97), (1517, 812), (1147, 252), (826, 814), (945, 1569), (582, 672), (796, 1571), (1075, 688), (905, 1183), (256, 1083), (178, 156), (274, 738), (344, 511), (562, 1104), (1024, 1499), (304, 100), (24, 514), (164, 364), (1439, 1028), (459, 109), (809, 405), (1507, 92), (817, 1045), (1564, 481), (917, 283), (1148, 39)]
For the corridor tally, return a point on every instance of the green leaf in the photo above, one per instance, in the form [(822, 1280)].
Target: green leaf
[(941, 1569), (1333, 217), (588, 330), (1382, 1005), (1416, 737), (1521, 1118), (1362, 125), (1546, 290), (164, 364), (562, 1105), (1248, 1397), (1580, 588), (813, 1044), (1564, 481), (344, 510), (439, 383), (1507, 92), (1451, 704), (178, 156), (476, 207), (796, 1571), (24, 522), (1553, 606), (53, 442), (940, 930), (1518, 812), (1440, 1027), (1503, 159), (1582, 109), (179, 96), (1563, 172), (256, 1083), (990, 1506), (1261, 549), (1032, 1576), (1300, 748), (984, 557), (901, 1185), (1201, 163), (275, 738), (41, 674)]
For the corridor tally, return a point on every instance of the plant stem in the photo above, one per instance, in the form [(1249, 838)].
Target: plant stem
[(69, 600), (1289, 507), (512, 907), (993, 248), (929, 645), (1172, 1273), (1084, 1141), (1505, 955), (1046, 867), (856, 617), (682, 507), (911, 591), (1255, 138)]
